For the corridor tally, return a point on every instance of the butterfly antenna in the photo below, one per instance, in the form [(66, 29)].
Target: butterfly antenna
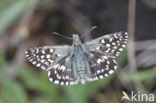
[(91, 29), (55, 33)]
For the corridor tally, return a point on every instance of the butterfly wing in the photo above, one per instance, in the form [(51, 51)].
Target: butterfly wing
[(111, 44), (43, 57), (100, 66), (56, 60), (62, 73), (101, 53)]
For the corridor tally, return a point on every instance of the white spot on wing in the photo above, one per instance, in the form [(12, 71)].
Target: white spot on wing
[(120, 49), (63, 77), (27, 55), (67, 77), (51, 50), (31, 60), (62, 67), (115, 67), (42, 61), (115, 35), (42, 56), (113, 43), (56, 82), (98, 48), (115, 47), (67, 83), (104, 57), (98, 71), (58, 76), (43, 51), (37, 50), (107, 51), (102, 41), (108, 62), (26, 52), (111, 71), (106, 75), (102, 70), (108, 45), (43, 67), (48, 73), (48, 56), (56, 65), (51, 79), (123, 45), (101, 76), (38, 65), (46, 63), (34, 62), (62, 83), (58, 55), (99, 61)]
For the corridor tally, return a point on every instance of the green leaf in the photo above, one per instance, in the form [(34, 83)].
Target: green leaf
[(121, 58), (10, 13), (39, 82), (80, 93), (12, 91), (144, 75)]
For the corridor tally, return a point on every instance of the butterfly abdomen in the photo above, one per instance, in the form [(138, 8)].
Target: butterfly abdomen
[(80, 63)]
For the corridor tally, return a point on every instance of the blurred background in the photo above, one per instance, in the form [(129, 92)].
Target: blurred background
[(29, 23)]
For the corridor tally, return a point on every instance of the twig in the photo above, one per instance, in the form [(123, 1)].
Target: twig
[(131, 51), (131, 30)]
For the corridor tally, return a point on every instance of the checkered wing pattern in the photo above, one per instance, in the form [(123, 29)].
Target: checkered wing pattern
[(62, 73), (46, 56), (111, 44), (100, 66), (55, 60), (101, 54)]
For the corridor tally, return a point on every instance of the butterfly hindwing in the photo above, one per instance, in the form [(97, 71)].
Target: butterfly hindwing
[(101, 66), (62, 72)]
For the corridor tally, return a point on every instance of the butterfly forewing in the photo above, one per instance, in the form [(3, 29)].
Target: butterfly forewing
[(112, 44), (43, 57)]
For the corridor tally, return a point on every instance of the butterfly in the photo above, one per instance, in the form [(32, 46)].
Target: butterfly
[(67, 65)]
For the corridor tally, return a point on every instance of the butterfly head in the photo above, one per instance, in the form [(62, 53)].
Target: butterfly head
[(76, 39)]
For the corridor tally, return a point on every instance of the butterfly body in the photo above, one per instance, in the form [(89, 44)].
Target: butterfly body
[(79, 58), (80, 62)]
